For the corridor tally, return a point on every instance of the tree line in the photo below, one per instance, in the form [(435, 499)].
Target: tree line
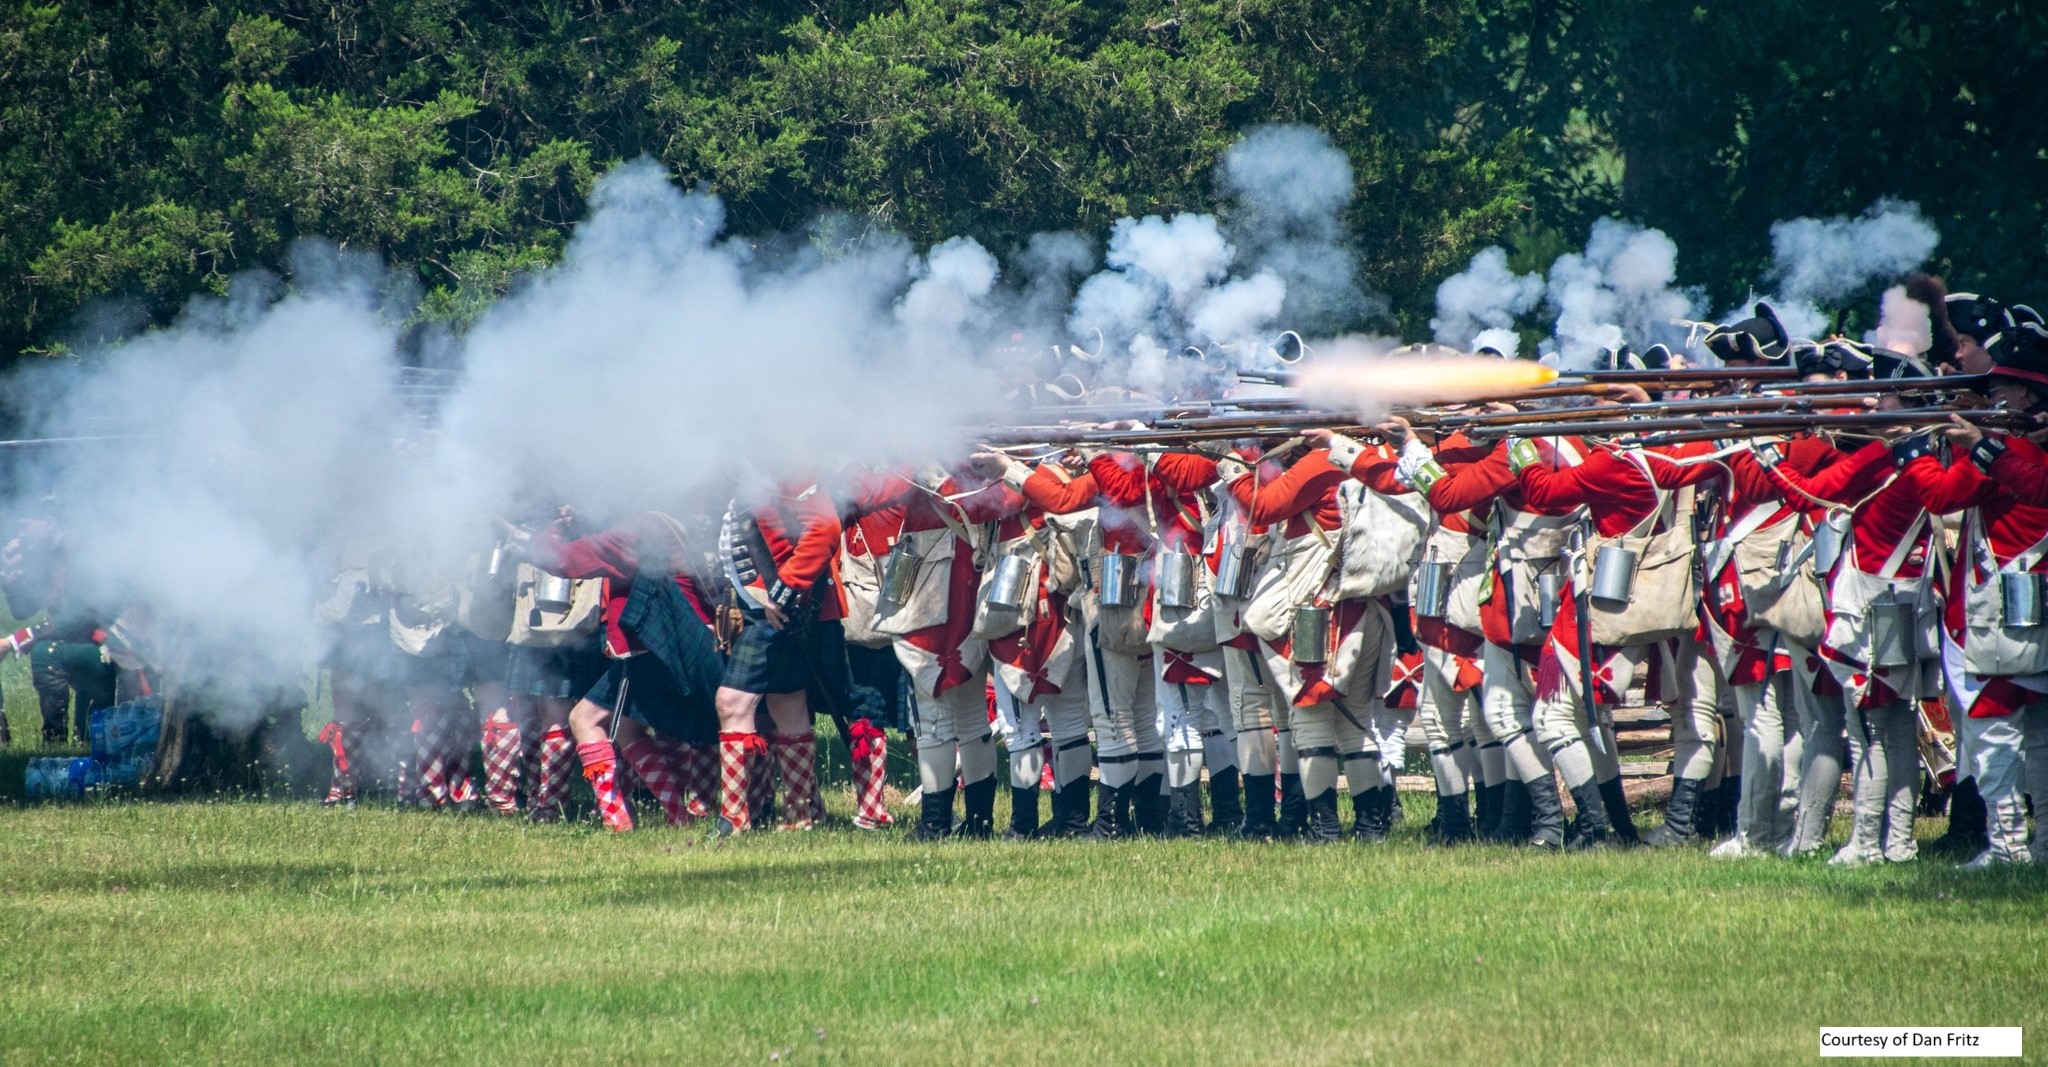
[(152, 149)]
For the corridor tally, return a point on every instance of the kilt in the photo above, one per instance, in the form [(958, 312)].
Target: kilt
[(653, 698), (767, 660)]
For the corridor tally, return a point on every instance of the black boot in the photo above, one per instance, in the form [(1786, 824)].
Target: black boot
[(1591, 829), (1396, 813), (1968, 832), (1322, 826), (1372, 815), (1112, 812), (1516, 813), (1226, 808), (1717, 808), (1148, 804), (1486, 821), (1184, 811), (935, 818), (1023, 813), (1069, 809), (1258, 807), (978, 818), (1453, 824), (1681, 816), (1293, 808), (1618, 815), (1546, 814)]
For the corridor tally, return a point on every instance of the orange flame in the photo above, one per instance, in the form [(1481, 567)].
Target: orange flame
[(1379, 382)]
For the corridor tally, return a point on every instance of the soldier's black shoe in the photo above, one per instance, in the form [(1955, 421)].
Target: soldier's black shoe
[(1184, 811), (1293, 808), (1148, 804), (1023, 813), (1517, 813), (1968, 832), (978, 814), (1258, 807), (1226, 805), (1372, 814), (1618, 817), (1453, 823), (1591, 829), (1112, 812), (935, 817), (1680, 816), (1486, 810), (1546, 814), (1322, 826)]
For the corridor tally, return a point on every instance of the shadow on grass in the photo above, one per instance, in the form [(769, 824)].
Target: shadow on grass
[(634, 885), (1937, 879)]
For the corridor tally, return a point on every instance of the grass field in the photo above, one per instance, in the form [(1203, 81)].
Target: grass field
[(265, 932)]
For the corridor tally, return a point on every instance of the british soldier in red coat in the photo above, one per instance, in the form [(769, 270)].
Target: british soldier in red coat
[(1465, 757), (1882, 575), (781, 553), (1528, 542), (1627, 493), (1996, 667), (1333, 692), (937, 515)]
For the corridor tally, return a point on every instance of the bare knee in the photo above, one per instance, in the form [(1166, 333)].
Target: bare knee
[(791, 713), (588, 717), (736, 710)]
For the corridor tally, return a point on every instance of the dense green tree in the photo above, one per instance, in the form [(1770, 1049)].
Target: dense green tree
[(150, 149), (1711, 122)]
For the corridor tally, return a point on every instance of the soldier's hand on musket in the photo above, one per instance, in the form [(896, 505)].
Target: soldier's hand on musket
[(1396, 429), (1963, 432), (989, 463), (1074, 461), (1627, 393)]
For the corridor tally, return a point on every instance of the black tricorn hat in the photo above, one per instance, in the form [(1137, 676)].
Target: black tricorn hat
[(1887, 364), (1656, 357), (2022, 353), (2021, 314), (1839, 354), (1977, 317), (1761, 338)]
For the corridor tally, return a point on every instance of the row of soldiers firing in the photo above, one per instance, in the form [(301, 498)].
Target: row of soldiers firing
[(1180, 638)]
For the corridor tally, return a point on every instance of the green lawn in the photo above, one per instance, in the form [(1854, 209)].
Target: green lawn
[(265, 932)]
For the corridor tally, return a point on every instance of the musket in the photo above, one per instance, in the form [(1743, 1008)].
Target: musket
[(1653, 407), (1153, 408), (1991, 417), (1953, 383), (1684, 375), (1768, 422), (1165, 438)]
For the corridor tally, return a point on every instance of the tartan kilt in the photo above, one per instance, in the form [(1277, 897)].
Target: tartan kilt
[(767, 660), (653, 698)]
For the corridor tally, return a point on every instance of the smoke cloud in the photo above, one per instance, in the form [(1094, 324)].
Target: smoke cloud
[(1477, 307), (1620, 289), (1904, 324), (659, 362), (1816, 263)]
